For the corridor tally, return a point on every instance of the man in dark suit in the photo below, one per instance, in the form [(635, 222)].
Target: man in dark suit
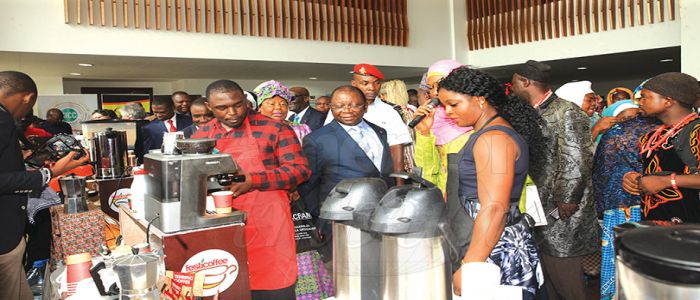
[(200, 115), (348, 147), (18, 94), (301, 112), (166, 121)]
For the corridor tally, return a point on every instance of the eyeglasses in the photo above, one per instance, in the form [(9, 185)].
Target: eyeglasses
[(354, 107)]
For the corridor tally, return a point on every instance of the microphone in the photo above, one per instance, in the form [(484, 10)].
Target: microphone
[(433, 103)]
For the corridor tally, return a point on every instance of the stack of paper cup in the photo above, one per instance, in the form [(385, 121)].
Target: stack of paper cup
[(77, 269)]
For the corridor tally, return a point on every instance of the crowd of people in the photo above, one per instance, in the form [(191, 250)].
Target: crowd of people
[(593, 159)]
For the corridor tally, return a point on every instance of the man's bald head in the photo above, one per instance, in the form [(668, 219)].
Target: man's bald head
[(300, 99), (54, 115)]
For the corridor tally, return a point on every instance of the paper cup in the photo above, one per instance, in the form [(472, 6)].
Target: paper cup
[(223, 201), (480, 279), (77, 269)]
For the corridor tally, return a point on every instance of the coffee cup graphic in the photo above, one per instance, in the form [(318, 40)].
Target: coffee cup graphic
[(219, 267)]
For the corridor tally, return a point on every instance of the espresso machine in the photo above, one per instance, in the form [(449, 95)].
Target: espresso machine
[(177, 185)]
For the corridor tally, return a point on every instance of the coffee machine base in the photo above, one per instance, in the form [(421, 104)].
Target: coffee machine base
[(167, 218), (218, 251)]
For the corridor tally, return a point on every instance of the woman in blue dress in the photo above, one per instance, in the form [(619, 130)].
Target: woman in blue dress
[(492, 169)]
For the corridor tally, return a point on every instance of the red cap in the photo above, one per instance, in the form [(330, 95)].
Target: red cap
[(367, 69)]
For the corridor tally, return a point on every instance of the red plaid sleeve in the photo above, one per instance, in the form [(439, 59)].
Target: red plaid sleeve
[(292, 167)]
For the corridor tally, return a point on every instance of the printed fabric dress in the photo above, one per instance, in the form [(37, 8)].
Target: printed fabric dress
[(313, 281), (515, 251), (680, 205)]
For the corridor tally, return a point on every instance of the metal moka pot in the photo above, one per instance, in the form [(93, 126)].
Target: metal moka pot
[(138, 276), (74, 195)]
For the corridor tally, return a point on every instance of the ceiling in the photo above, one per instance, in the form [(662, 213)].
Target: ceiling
[(611, 67)]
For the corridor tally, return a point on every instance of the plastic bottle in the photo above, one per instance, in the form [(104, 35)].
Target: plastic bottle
[(35, 277), (138, 188)]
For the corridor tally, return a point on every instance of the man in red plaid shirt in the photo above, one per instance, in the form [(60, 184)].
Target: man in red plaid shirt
[(270, 157)]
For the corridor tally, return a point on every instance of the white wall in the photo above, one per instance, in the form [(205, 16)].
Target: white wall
[(650, 36), (38, 26), (690, 47)]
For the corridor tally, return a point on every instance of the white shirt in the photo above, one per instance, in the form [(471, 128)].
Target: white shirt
[(384, 116), (167, 126), (300, 115), (371, 138)]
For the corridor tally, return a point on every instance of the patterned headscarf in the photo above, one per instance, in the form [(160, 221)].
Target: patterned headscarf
[(424, 82), (269, 89)]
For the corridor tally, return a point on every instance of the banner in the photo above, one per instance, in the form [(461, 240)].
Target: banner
[(75, 107)]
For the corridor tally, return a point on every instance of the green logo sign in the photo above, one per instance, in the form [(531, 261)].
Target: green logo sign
[(69, 114)]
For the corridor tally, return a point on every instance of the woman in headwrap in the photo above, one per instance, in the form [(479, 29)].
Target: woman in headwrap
[(273, 101), (617, 153), (437, 135), (617, 94), (313, 281)]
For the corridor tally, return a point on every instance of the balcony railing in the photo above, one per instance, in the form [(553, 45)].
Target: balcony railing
[(496, 23), (379, 22)]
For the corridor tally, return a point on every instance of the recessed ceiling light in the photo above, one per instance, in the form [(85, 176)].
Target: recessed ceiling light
[(74, 74), (85, 65), (582, 68), (666, 60), (313, 78)]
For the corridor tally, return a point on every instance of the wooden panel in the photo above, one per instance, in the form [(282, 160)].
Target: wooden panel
[(661, 10), (217, 16), (314, 19), (102, 12), (147, 14), (91, 12), (652, 16), (535, 19), (528, 19), (596, 14), (622, 12), (178, 15), (235, 11), (571, 16), (587, 13), (523, 20), (137, 17), (613, 15), (379, 22), (114, 13), (672, 9), (579, 16), (548, 16), (225, 18)]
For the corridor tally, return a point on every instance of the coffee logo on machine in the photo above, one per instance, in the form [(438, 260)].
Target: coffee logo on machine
[(120, 196), (219, 267)]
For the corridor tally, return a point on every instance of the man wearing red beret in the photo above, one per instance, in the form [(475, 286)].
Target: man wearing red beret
[(369, 79)]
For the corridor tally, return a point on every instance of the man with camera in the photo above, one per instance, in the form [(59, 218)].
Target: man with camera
[(18, 94)]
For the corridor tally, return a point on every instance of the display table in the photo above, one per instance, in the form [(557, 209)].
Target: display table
[(218, 251), (76, 233)]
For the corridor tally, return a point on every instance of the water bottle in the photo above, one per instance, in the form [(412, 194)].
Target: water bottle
[(35, 276)]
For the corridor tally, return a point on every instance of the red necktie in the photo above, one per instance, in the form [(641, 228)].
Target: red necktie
[(171, 127)]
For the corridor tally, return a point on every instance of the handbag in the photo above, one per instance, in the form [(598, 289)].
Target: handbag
[(305, 230)]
